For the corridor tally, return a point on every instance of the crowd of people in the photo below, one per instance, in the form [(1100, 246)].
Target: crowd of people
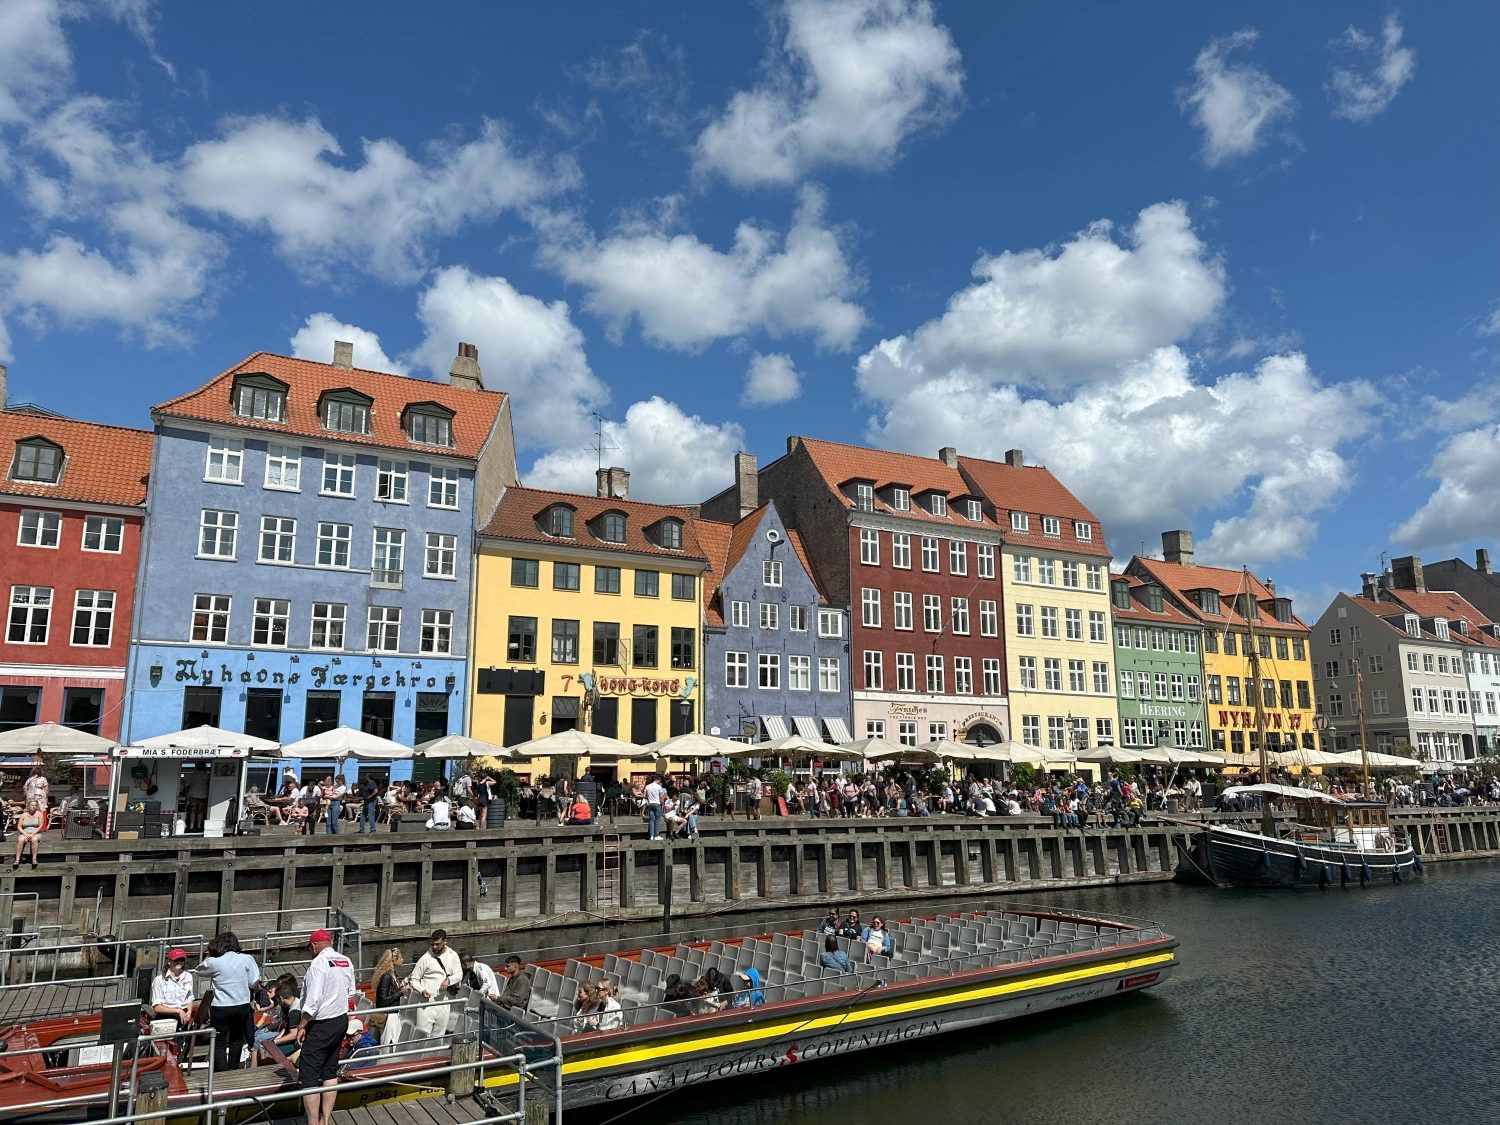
[(369, 802)]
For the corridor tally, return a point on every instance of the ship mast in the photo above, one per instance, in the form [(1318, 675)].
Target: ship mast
[(1359, 704), (1260, 713)]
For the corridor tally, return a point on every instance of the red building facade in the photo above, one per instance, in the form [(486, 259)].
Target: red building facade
[(72, 503)]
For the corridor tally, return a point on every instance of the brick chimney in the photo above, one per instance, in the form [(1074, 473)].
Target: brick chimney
[(1371, 585), (1481, 556), (2, 386), (1013, 458), (1177, 547), (792, 443), (343, 353), (948, 456), (1406, 574), (746, 483), (612, 483), (465, 370)]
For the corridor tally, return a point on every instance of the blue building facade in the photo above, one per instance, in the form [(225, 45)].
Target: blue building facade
[(308, 555), (776, 657)]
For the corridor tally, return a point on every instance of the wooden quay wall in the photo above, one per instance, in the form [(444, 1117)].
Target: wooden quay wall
[(399, 886)]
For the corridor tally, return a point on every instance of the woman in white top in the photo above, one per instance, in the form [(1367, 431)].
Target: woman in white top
[(608, 1015)]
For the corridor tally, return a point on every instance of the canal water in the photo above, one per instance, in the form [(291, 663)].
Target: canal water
[(1341, 1005)]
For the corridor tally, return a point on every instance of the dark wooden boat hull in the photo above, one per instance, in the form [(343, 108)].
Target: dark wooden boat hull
[(1229, 857)]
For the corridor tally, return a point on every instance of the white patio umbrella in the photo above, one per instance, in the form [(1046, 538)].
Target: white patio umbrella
[(207, 738), (1113, 755), (1301, 757), (1379, 760), (570, 743), (460, 746), (346, 742), (875, 749), (693, 746), (50, 738)]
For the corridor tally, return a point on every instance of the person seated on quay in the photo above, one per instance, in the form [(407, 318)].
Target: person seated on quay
[(833, 957), (877, 940), (29, 827), (688, 809), (580, 813), (438, 814), (255, 803), (467, 817), (517, 991), (172, 991), (480, 977), (671, 816), (830, 924)]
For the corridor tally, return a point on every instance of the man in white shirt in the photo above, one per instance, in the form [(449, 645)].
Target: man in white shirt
[(654, 794), (439, 814), (480, 977), (435, 972), (325, 1018)]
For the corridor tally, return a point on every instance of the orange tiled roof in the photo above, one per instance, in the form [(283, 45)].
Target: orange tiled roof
[(1033, 490), (473, 411), (1180, 579), (801, 548), (1437, 603), (713, 538), (102, 464), (520, 510), (1139, 611), (839, 464)]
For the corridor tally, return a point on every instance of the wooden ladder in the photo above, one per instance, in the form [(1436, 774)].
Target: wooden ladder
[(1440, 835), (609, 873)]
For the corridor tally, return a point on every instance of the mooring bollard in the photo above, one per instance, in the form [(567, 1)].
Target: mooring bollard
[(465, 1049), (151, 1096)]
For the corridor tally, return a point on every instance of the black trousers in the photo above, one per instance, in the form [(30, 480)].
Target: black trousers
[(233, 1025)]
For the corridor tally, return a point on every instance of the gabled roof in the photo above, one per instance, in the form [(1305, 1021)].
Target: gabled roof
[(102, 464), (1180, 579), (473, 411), (1033, 489), (520, 510), (840, 464), (1139, 611), (725, 545), (1389, 611), (1437, 603)]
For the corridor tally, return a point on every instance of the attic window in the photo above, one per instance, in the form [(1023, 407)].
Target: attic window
[(670, 534), (1208, 601), (259, 397), (1083, 531), (1153, 599), (346, 412), (1019, 522), (37, 459), (429, 424), (901, 499), (1120, 594), (560, 521), (612, 527), (1413, 625), (864, 497), (975, 510), (938, 505), (1440, 627), (1052, 527)]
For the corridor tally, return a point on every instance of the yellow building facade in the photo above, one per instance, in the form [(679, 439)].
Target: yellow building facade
[(587, 616)]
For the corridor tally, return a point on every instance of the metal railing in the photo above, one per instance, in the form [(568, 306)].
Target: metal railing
[(386, 579), (288, 932)]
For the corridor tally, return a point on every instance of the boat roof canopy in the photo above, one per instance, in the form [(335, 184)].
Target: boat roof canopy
[(1290, 792)]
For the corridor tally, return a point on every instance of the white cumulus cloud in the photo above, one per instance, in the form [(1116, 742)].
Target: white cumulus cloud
[(1380, 67), (314, 340), (1467, 498), (1236, 104), (380, 216), (770, 379), (673, 457), (1054, 318), (685, 294), (850, 81)]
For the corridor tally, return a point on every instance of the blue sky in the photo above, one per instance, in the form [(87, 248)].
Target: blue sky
[(1226, 267)]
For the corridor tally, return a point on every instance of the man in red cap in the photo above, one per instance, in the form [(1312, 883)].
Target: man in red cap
[(325, 1020), (172, 991)]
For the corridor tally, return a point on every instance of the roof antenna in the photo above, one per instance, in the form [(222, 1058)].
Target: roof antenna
[(601, 442)]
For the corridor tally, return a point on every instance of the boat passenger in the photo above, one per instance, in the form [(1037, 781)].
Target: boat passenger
[(584, 1006), (833, 957), (830, 924), (877, 940), (385, 986), (233, 976), (676, 995), (285, 1019), (29, 828), (435, 972), (517, 991), (747, 989), (325, 1020), (704, 1000), (851, 927), (611, 1015), (172, 991), (480, 977), (358, 1037)]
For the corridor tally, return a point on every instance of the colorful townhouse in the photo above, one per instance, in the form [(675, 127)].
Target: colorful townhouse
[(1158, 666), (71, 508), (1056, 599), (586, 616), (775, 650), (1227, 605), (308, 551), (913, 549)]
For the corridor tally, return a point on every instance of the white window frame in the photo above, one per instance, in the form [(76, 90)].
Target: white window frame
[(224, 460), (278, 537), (989, 623), (869, 608), (900, 550), (869, 547), (770, 615), (1078, 675), (739, 614), (1051, 527), (798, 672), (1098, 627), (830, 623), (1048, 623), (1019, 522), (958, 616), (392, 481), (103, 529), (906, 671), (440, 559), (958, 557), (1070, 574), (933, 666), (42, 526), (989, 667), (906, 732), (1095, 576), (932, 613), (1127, 684), (830, 674), (931, 556), (383, 628), (796, 618), (442, 488), (436, 636), (1101, 678), (901, 499), (1025, 620), (216, 609), (986, 557), (737, 669), (1051, 673), (343, 470), (938, 505), (393, 546), (770, 572), (271, 611), (963, 675), (768, 671), (1020, 568), (901, 613), (281, 458), (1073, 624), (35, 606), (1083, 531), (874, 662), (221, 529), (1046, 572), (1026, 673), (337, 535), (328, 617)]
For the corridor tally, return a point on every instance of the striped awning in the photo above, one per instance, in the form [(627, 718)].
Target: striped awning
[(775, 726), (838, 733), (807, 728)]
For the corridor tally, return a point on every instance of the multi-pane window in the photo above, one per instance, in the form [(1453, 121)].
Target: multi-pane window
[(1098, 631), (1380, 702), (869, 608), (901, 499), (932, 613), (442, 555), (1049, 621), (261, 403), (217, 533), (770, 572), (606, 579), (799, 673), (874, 670), (1281, 643), (333, 544), (210, 618), (906, 671), (1285, 687), (643, 646), (612, 527), (390, 481), (906, 732), (1046, 572), (1297, 648), (1127, 732), (1076, 678), (437, 631), (934, 673), (958, 557), (30, 615), (1416, 699), (736, 669), (1018, 521), (606, 642), (278, 537), (1232, 690), (901, 610), (864, 497), (669, 532), (524, 572), (973, 510), (1031, 730), (1214, 689), (328, 619), (1051, 527), (429, 429), (283, 467), (1177, 688), (1161, 685), (103, 533), (647, 583), (1157, 644), (937, 505), (1025, 622), (1073, 621), (1192, 691), (520, 644), (1052, 674), (900, 550), (869, 546), (269, 624), (39, 529), (387, 560), (797, 618), (1127, 684), (960, 616), (963, 675), (1179, 732), (739, 614), (929, 553), (442, 488), (986, 553), (1095, 576), (990, 667), (770, 615), (1020, 568), (37, 461), (684, 644), (338, 473), (988, 618), (768, 670), (565, 575), (829, 677), (1190, 642), (560, 521), (1057, 738), (564, 641), (685, 587), (830, 623), (1083, 531), (93, 617), (1026, 672), (346, 417), (226, 460), (1070, 574), (1101, 677)]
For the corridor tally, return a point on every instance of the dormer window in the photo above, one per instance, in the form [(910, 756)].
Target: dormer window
[(670, 534), (901, 499), (1208, 601), (1120, 594), (937, 504), (1083, 531), (260, 398), (612, 527), (1019, 522), (864, 497), (974, 510), (1052, 527), (1413, 625), (428, 423), (1153, 599), (1440, 628), (37, 460), (1463, 626), (559, 521), (346, 412)]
